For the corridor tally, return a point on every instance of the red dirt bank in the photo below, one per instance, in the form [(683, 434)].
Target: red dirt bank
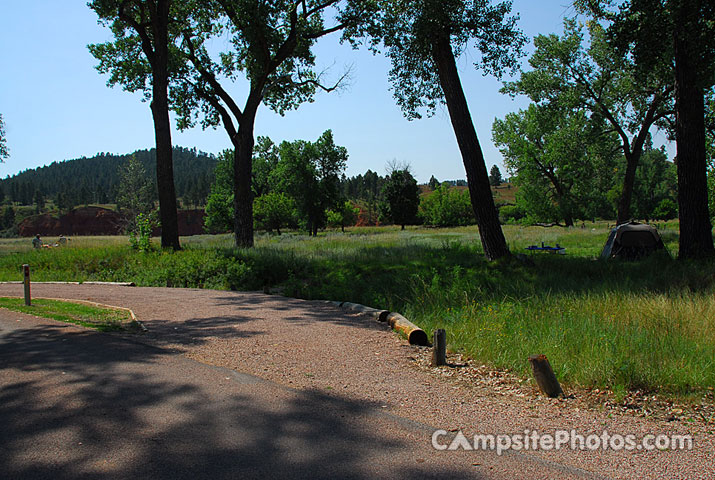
[(100, 221)]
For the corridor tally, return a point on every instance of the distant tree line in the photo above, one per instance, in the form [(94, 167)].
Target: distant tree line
[(95, 180)]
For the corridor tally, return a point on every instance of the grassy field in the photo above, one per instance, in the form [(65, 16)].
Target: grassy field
[(624, 325)]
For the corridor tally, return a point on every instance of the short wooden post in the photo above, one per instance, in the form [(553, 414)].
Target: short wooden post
[(26, 274), (439, 349), (544, 376)]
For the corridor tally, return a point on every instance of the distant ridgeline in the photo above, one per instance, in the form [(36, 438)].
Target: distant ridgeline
[(95, 179)]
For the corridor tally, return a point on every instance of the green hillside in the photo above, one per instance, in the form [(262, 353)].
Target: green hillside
[(95, 179)]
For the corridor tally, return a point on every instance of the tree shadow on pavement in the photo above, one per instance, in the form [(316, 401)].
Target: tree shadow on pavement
[(76, 404), (300, 311)]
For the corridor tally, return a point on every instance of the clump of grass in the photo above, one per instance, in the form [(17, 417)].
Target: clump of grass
[(99, 318), (615, 339)]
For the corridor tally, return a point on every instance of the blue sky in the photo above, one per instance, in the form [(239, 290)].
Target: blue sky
[(56, 106)]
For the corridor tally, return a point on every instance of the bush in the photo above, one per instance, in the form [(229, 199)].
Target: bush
[(274, 211), (345, 215), (666, 210), (140, 235), (511, 214), (447, 207)]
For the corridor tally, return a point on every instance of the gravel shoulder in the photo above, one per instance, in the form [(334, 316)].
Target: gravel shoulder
[(317, 347)]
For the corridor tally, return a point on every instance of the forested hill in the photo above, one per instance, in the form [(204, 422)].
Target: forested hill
[(95, 179)]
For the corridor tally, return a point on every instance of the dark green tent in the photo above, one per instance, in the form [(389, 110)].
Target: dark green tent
[(631, 241)]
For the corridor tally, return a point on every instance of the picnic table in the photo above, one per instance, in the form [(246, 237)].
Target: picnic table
[(547, 248)]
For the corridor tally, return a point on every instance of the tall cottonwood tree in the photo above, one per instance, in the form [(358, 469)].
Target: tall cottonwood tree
[(140, 59), (677, 35), (559, 158), (309, 172), (595, 77), (270, 47), (423, 38)]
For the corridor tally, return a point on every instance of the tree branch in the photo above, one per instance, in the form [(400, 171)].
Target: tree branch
[(225, 116), (140, 28), (210, 78)]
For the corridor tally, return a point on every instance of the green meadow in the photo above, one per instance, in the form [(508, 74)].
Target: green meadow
[(646, 325)]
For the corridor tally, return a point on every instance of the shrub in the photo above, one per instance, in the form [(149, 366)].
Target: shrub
[(511, 214), (666, 210), (447, 207), (274, 211), (140, 235)]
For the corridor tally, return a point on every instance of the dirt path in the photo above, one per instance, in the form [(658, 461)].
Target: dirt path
[(317, 347)]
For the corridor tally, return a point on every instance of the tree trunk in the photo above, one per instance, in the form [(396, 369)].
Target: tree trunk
[(695, 228), (162, 130), (568, 220), (243, 195), (624, 203), (480, 192)]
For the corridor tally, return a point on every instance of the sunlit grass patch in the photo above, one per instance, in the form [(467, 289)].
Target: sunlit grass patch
[(631, 340), (104, 319)]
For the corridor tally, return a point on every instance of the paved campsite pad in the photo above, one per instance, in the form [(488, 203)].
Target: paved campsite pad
[(317, 356)]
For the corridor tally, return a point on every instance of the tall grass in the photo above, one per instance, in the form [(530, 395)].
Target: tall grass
[(648, 324)]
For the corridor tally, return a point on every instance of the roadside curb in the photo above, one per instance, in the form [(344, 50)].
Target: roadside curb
[(415, 335)]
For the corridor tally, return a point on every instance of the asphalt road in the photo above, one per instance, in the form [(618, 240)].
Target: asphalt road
[(80, 404)]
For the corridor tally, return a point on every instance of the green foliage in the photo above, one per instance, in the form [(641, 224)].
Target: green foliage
[(402, 197), (219, 205), (265, 160), (667, 209), (133, 192), (309, 172), (656, 182), (367, 187), (495, 178), (571, 72), (710, 144), (8, 218), (447, 207), (273, 211), (4, 152), (130, 60), (560, 163), (511, 214), (269, 44), (345, 215), (99, 176), (298, 179), (433, 183), (140, 234), (409, 30)]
